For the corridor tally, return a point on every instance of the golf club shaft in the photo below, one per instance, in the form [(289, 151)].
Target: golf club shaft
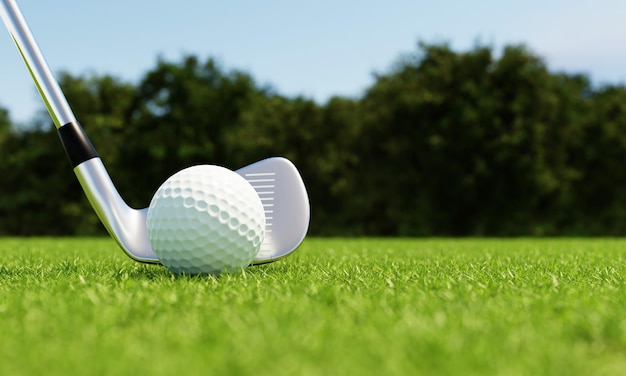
[(47, 86), (126, 225)]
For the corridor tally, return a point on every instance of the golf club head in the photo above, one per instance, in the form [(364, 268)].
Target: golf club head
[(276, 180), (286, 203)]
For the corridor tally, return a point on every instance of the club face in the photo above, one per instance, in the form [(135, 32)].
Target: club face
[(286, 203)]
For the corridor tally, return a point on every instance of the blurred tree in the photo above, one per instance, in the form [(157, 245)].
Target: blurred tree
[(34, 194), (5, 124), (600, 208), (445, 143), (472, 144)]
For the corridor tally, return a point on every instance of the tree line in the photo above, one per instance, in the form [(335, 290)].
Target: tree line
[(446, 143)]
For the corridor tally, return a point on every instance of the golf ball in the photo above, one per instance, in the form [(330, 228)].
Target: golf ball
[(205, 220)]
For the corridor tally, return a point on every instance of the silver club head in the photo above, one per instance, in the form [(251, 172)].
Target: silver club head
[(276, 181), (286, 203)]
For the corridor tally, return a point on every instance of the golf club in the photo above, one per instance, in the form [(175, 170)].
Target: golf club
[(276, 180)]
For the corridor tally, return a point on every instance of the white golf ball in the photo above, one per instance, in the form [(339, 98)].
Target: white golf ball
[(205, 220)]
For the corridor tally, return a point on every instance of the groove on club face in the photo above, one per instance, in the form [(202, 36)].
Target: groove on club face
[(264, 183)]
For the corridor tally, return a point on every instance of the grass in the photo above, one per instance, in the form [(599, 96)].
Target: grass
[(337, 306)]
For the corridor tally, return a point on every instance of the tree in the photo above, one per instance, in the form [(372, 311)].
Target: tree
[(600, 206), (445, 143), (471, 144)]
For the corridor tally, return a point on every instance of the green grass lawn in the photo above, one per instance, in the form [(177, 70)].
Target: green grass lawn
[(337, 306)]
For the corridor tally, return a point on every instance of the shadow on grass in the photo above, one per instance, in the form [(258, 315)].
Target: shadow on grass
[(117, 270)]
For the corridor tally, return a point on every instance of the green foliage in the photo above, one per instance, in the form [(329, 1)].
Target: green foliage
[(445, 143), (337, 306), (477, 145), (5, 122)]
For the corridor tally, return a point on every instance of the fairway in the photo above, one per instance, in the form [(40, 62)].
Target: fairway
[(337, 306)]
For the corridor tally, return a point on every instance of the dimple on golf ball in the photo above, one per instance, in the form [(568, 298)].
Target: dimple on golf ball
[(205, 220)]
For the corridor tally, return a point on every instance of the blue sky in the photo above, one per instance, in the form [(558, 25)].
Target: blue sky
[(315, 48)]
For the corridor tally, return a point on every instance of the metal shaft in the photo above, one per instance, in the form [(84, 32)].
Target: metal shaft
[(47, 86)]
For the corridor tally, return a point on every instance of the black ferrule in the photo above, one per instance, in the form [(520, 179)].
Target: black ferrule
[(76, 143)]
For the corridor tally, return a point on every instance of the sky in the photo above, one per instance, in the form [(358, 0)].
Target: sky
[(317, 49)]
